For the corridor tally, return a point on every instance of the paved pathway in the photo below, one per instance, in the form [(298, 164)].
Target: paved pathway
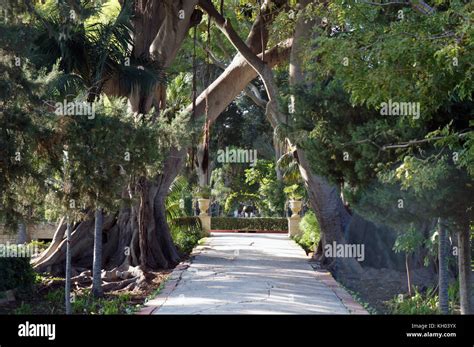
[(237, 273)]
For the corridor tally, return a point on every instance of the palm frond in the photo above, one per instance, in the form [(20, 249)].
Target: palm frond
[(143, 77), (111, 41), (64, 84), (178, 188)]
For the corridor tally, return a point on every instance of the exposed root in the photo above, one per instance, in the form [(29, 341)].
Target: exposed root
[(121, 278)]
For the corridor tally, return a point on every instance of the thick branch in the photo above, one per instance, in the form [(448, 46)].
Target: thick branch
[(263, 70), (251, 91), (234, 79)]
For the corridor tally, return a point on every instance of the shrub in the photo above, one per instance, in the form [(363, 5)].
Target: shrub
[(416, 304), (24, 308), (16, 273), (249, 224), (40, 246), (310, 232), (55, 297), (186, 232)]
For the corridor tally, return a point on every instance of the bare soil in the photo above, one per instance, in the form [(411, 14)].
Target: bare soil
[(377, 286)]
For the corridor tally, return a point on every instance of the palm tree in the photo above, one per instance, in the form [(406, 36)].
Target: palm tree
[(93, 57)]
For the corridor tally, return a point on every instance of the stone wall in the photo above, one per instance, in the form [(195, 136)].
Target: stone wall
[(34, 231), (6, 238)]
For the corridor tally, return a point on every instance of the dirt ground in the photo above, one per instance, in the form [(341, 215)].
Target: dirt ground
[(377, 286), (48, 296)]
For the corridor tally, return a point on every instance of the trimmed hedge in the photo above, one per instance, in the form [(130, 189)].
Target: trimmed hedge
[(249, 224), (185, 222)]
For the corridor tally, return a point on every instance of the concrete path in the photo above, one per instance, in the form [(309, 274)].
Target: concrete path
[(237, 273)]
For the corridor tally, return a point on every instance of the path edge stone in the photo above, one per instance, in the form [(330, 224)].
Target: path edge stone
[(342, 294)]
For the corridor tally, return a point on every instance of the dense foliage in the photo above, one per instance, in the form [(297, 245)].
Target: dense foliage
[(16, 273), (310, 233)]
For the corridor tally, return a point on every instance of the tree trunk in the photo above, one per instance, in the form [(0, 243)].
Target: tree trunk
[(234, 79), (22, 236), (122, 245), (279, 148), (324, 198), (143, 218), (464, 262), (97, 261), (57, 239), (332, 217), (137, 235), (407, 267), (443, 275), (67, 287)]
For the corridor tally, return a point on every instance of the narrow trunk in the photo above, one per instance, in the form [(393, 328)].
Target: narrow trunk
[(407, 266), (22, 236), (67, 288), (97, 262), (443, 269), (464, 263), (143, 217)]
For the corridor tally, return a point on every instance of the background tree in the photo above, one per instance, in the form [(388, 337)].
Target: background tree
[(357, 52)]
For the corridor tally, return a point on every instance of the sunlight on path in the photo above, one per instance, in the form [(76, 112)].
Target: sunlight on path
[(249, 274)]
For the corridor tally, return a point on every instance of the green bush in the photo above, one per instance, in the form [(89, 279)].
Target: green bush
[(416, 304), (310, 232), (186, 232), (40, 246), (249, 224), (202, 192), (24, 308), (16, 273)]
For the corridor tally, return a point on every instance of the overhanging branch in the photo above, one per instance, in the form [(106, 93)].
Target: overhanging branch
[(265, 73)]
